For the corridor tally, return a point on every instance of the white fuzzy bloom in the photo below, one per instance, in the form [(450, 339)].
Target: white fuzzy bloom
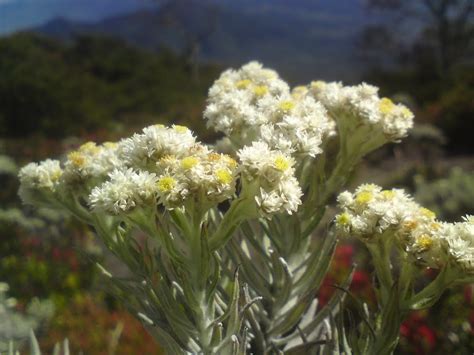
[(234, 99), (91, 162), (204, 175), (41, 176), (253, 103), (372, 213), (143, 150), (286, 197), (272, 171), (125, 190), (459, 238), (352, 106)]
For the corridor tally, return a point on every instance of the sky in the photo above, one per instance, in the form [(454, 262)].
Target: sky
[(20, 14)]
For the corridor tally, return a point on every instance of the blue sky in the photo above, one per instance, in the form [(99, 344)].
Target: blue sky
[(20, 14)]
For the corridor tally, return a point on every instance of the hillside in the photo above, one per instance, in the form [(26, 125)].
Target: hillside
[(303, 41), (91, 83)]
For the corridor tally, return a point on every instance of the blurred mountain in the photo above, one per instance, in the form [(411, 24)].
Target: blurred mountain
[(303, 39)]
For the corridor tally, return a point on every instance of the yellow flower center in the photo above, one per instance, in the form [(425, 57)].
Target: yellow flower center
[(189, 162), (281, 163), (424, 241), (386, 106), (180, 129), (286, 106), (224, 176), (77, 159), (89, 148), (318, 85), (243, 84), (364, 197), (388, 194), (110, 145), (166, 184), (260, 90), (230, 162), (56, 175), (427, 213), (343, 219), (299, 92), (410, 225), (406, 112)]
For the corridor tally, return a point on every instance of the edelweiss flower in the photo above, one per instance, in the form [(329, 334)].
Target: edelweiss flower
[(353, 106), (144, 149), (124, 191), (91, 161), (42, 176), (271, 175), (254, 104)]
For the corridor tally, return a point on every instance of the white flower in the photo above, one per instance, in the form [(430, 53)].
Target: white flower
[(459, 238), (91, 162), (273, 173), (253, 104), (353, 106), (125, 190), (205, 176), (143, 150), (44, 175)]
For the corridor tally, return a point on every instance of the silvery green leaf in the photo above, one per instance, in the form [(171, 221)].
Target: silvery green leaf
[(34, 347)]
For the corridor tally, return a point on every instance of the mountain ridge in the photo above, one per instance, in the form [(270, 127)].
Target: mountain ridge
[(289, 41)]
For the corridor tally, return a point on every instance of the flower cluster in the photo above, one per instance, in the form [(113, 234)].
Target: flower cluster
[(459, 239), (253, 103), (44, 175), (90, 162), (372, 213), (166, 165), (353, 106), (123, 191), (269, 174), (143, 150)]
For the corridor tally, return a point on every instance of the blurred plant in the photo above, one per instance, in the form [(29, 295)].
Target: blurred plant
[(190, 223), (94, 329), (404, 240), (15, 326), (449, 197)]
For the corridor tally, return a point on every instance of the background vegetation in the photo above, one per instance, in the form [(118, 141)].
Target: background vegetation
[(56, 94)]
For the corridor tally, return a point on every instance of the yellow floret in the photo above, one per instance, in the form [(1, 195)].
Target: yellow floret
[(410, 225), (318, 85), (286, 106), (260, 90), (189, 162), (386, 106), (427, 213), (110, 145), (424, 241), (223, 176), (299, 91), (56, 175), (159, 125), (281, 163), (388, 194), (89, 148), (180, 129), (230, 162), (77, 159), (364, 197), (343, 219), (406, 112), (166, 184), (213, 157), (243, 84)]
